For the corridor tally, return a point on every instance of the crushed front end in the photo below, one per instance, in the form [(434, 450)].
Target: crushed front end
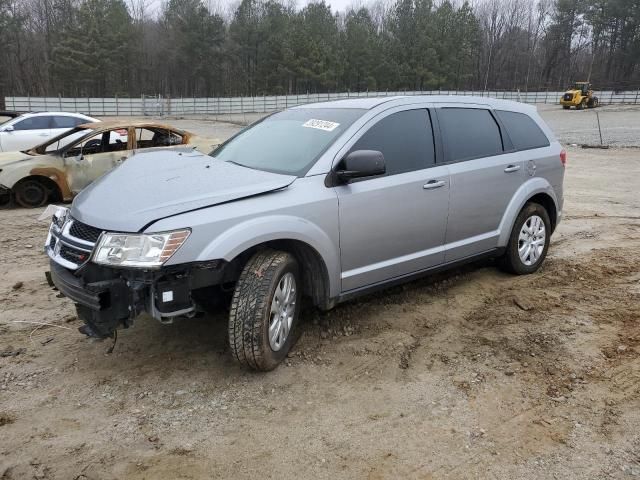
[(110, 297)]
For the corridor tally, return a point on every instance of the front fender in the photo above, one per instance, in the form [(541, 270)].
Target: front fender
[(13, 172), (527, 190), (232, 242), (54, 170)]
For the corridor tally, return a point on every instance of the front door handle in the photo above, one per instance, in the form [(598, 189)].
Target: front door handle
[(512, 168), (431, 184)]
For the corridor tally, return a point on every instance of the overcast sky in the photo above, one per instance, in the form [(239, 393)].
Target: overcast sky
[(228, 6)]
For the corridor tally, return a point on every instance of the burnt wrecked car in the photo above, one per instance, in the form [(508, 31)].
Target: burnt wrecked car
[(61, 167), (323, 202)]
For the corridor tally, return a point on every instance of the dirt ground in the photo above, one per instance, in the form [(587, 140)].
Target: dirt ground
[(472, 374)]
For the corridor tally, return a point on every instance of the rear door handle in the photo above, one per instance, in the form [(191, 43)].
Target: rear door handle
[(512, 168), (431, 184)]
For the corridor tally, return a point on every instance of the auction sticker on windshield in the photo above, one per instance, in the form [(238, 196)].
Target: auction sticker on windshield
[(325, 125)]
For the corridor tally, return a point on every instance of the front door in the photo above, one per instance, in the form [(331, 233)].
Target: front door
[(27, 133), (394, 225), (93, 157)]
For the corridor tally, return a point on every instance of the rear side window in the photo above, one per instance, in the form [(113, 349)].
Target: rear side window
[(469, 133), (404, 138), (523, 131), (33, 123), (61, 121)]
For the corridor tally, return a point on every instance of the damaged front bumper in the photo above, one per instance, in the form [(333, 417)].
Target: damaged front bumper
[(107, 298)]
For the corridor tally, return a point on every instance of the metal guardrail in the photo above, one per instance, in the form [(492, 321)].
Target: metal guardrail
[(156, 105)]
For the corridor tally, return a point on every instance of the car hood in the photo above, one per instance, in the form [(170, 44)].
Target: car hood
[(9, 158), (154, 185)]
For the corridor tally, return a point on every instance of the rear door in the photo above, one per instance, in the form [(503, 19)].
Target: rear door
[(27, 133), (485, 174), (394, 225)]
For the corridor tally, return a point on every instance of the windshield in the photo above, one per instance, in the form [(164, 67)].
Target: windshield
[(288, 142), (62, 140)]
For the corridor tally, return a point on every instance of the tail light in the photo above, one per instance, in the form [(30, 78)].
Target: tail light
[(563, 157)]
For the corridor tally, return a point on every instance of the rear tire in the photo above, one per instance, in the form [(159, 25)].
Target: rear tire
[(566, 107), (264, 310), (31, 194), (528, 242)]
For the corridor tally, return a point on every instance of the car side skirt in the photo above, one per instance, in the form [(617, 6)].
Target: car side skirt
[(357, 292)]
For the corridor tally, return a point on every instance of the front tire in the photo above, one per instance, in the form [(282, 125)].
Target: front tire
[(31, 194), (264, 310), (528, 242)]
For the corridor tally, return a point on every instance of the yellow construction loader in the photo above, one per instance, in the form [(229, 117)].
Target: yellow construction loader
[(580, 96)]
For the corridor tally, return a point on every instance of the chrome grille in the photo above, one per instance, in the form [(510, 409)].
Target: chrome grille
[(72, 243), (84, 232)]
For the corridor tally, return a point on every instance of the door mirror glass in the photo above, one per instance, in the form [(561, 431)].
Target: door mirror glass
[(361, 163)]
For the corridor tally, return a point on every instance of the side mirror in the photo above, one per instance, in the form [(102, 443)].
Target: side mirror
[(361, 163), (8, 128)]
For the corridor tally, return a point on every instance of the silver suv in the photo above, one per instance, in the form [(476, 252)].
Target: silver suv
[(325, 201)]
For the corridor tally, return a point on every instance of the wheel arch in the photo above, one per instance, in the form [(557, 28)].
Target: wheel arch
[(535, 190), (55, 192), (313, 247), (549, 205), (315, 276), (59, 179)]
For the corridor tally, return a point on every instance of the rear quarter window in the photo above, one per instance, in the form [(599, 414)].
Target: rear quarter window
[(523, 131), (469, 133)]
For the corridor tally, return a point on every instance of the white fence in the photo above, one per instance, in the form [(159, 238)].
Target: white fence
[(158, 106)]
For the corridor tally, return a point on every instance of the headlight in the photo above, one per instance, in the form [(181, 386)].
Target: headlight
[(138, 250)]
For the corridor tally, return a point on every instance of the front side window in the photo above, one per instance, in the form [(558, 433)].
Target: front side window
[(102, 142), (33, 123), (89, 145), (469, 133), (287, 142), (523, 131), (404, 138)]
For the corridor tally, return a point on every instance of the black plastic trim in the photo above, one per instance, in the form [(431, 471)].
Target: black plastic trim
[(357, 292), (73, 288)]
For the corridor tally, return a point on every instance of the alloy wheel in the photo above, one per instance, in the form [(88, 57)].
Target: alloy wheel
[(531, 240)]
